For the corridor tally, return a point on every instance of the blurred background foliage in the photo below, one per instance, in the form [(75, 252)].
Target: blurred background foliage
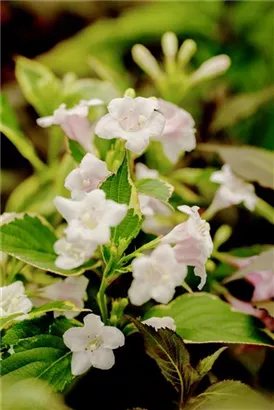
[(94, 39)]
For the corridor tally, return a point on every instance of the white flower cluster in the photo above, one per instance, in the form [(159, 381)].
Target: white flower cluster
[(135, 120), (13, 300), (89, 214)]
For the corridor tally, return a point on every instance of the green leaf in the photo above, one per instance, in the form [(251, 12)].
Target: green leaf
[(228, 395), (30, 394), (42, 356), (155, 188), (41, 88), (204, 318), (205, 365), (262, 262), (171, 355), (6, 321), (28, 328), (250, 163), (10, 127), (54, 306), (31, 239), (240, 107), (76, 150), (119, 188)]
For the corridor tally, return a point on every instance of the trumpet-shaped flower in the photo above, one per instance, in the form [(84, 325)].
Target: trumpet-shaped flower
[(92, 345), (135, 120), (179, 131), (72, 254), (233, 190), (263, 282), (165, 322), (73, 121), (149, 205), (91, 218), (156, 276), (13, 300), (193, 242), (87, 176), (72, 289)]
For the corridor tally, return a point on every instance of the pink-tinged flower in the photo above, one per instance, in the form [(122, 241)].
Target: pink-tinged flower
[(165, 322), (247, 308), (72, 289), (263, 283), (74, 122), (193, 243), (90, 173), (232, 191), (156, 276), (135, 120), (179, 132)]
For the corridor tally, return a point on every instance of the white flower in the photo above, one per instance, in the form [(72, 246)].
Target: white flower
[(87, 176), (165, 322), (72, 289), (73, 121), (92, 345), (233, 191), (193, 242), (156, 276), (71, 254), (91, 218), (135, 120), (13, 300), (179, 131), (149, 205)]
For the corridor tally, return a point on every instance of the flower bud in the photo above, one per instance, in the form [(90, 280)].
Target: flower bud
[(186, 52), (211, 68), (170, 44), (222, 235), (143, 57), (130, 92)]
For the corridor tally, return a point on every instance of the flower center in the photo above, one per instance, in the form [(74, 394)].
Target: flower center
[(131, 123), (88, 220), (86, 183), (95, 343)]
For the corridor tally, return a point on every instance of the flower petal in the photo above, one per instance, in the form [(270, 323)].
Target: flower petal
[(139, 292), (113, 337), (108, 128), (67, 208), (76, 338), (80, 363), (102, 358), (93, 324)]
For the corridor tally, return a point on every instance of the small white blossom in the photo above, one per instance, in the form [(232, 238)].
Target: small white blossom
[(156, 276), (87, 176), (233, 190), (73, 254), (135, 120), (13, 300), (149, 205), (73, 121), (179, 132), (92, 345), (72, 289), (91, 218), (165, 322), (193, 242)]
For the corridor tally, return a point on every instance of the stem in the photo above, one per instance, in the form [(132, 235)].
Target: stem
[(147, 246), (101, 297), (208, 213), (265, 210)]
